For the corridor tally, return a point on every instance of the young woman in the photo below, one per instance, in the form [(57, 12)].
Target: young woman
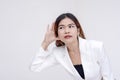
[(83, 59)]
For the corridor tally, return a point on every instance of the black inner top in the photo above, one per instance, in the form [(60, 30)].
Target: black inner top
[(79, 68)]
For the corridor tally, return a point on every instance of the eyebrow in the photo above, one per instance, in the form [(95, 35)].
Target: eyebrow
[(68, 24), (61, 25), (71, 24)]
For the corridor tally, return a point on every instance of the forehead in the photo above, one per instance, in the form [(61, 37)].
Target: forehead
[(66, 21)]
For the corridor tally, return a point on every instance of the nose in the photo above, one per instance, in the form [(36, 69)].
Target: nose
[(67, 30)]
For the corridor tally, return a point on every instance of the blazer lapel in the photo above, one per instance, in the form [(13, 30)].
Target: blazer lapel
[(64, 60), (67, 63), (83, 51)]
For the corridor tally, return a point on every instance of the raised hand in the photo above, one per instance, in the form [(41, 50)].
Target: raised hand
[(49, 37)]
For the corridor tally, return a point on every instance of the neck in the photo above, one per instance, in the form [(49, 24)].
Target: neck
[(73, 47)]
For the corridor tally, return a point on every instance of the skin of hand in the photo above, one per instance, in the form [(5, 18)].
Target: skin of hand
[(49, 37)]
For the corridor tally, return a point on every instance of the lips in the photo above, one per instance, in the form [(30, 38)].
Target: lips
[(67, 36)]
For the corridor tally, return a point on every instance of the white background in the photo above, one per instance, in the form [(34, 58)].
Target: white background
[(23, 24)]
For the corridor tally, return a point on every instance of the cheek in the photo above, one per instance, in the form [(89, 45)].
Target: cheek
[(75, 34), (60, 34)]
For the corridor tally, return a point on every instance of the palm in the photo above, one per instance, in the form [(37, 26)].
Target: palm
[(50, 35)]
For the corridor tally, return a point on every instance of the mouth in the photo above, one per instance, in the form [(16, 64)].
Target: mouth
[(67, 36)]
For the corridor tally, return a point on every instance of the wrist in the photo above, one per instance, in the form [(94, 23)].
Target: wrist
[(45, 45)]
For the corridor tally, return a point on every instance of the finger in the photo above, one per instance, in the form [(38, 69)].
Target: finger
[(48, 27), (52, 27)]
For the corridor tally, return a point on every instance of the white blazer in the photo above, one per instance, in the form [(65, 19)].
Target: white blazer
[(94, 60)]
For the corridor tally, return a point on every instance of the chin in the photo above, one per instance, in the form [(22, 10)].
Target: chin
[(68, 41)]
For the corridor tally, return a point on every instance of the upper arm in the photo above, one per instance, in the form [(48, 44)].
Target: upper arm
[(42, 60), (104, 63)]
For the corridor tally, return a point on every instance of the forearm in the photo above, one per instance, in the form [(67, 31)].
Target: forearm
[(45, 45)]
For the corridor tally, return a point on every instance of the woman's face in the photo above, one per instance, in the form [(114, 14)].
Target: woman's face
[(67, 31)]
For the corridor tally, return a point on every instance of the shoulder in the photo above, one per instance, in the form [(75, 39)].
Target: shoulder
[(59, 49), (95, 48), (54, 48), (93, 43)]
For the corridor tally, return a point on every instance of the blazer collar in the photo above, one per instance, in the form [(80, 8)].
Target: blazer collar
[(67, 63)]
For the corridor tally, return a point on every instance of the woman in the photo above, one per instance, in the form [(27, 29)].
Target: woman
[(83, 59)]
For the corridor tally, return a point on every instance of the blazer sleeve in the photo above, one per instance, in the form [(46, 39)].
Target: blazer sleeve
[(105, 64), (42, 60)]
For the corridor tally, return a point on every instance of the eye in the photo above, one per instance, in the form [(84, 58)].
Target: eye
[(71, 26), (61, 27)]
